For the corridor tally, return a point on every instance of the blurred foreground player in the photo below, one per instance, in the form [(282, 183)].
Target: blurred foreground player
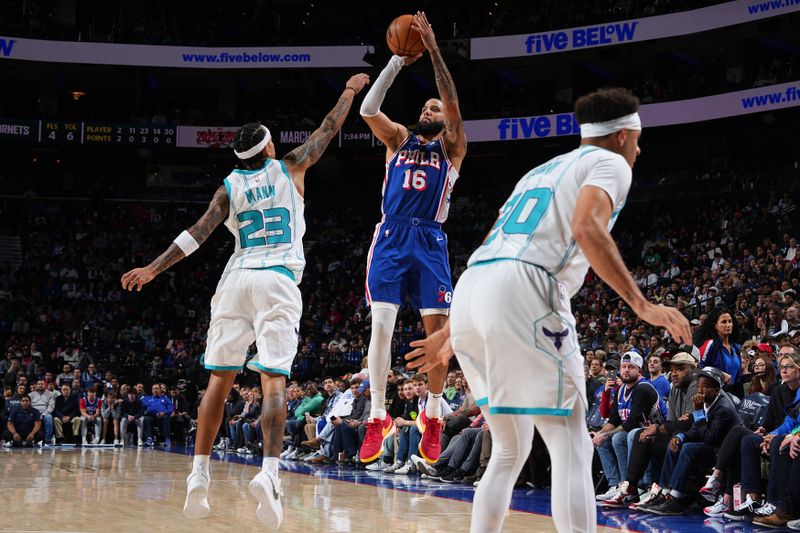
[(512, 327), (257, 298)]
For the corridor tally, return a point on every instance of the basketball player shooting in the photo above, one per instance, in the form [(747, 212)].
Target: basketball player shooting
[(257, 298), (512, 327), (408, 256)]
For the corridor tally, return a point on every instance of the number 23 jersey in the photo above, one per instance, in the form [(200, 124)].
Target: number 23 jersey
[(419, 179), (266, 220), (535, 224)]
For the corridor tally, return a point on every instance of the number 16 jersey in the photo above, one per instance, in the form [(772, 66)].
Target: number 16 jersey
[(266, 220), (418, 182)]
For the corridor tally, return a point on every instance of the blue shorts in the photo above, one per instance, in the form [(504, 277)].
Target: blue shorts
[(408, 257)]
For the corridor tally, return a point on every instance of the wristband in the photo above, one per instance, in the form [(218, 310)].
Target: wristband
[(186, 243), (354, 91)]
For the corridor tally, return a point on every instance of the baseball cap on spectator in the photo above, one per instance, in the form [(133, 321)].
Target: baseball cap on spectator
[(364, 385), (695, 322), (633, 358), (794, 332), (683, 358), (790, 292), (764, 347), (714, 374), (612, 364)]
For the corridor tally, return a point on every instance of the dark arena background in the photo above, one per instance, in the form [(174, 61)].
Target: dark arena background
[(117, 124)]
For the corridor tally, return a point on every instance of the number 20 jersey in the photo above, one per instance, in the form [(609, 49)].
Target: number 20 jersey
[(266, 219), (418, 182), (535, 224)]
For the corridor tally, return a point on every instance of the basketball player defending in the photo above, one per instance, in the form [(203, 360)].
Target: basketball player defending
[(257, 298), (512, 327), (408, 255)]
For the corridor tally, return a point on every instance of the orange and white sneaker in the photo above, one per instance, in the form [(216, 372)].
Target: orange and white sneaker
[(377, 433), (430, 445)]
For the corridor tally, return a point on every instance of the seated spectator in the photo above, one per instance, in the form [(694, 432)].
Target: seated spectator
[(132, 412), (67, 412), (181, 417), (461, 457), (785, 476), (343, 407), (763, 377), (90, 414), (635, 403), (345, 441), (111, 412), (23, 428), (44, 401), (695, 450), (651, 445), (65, 376), (157, 407), (657, 379)]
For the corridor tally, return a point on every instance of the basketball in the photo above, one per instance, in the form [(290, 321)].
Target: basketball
[(402, 40)]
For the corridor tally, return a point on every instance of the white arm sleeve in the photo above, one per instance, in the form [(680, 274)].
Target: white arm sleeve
[(371, 105)]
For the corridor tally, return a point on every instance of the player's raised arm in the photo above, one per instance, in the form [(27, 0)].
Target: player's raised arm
[(301, 158), (454, 125), (590, 229), (390, 133), (183, 245)]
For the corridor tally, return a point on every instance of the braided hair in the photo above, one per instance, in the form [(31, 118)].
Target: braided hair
[(248, 136)]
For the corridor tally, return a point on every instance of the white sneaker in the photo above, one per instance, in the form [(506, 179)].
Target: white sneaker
[(314, 455), (376, 466), (117, 442), (794, 525), (140, 443), (287, 452), (607, 495), (85, 442), (96, 442), (406, 469), (766, 509), (52, 441), (392, 468), (266, 487), (718, 509), (711, 489), (422, 466), (196, 505)]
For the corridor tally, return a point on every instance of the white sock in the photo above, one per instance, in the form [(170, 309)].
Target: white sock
[(676, 494), (270, 464), (379, 357), (200, 464), (664, 491), (433, 407)]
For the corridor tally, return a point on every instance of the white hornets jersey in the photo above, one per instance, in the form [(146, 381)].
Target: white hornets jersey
[(535, 224), (266, 219)]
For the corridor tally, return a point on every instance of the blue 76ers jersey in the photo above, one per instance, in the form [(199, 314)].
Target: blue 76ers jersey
[(419, 180)]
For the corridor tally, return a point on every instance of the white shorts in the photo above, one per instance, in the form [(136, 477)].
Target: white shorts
[(514, 335), (254, 305)]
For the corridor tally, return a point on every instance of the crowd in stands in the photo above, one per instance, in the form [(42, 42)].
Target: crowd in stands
[(81, 356)]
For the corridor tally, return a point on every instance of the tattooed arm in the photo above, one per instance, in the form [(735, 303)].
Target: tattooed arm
[(214, 215), (455, 137), (301, 158)]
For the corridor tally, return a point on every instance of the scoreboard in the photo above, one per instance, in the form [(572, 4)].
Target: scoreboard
[(88, 133)]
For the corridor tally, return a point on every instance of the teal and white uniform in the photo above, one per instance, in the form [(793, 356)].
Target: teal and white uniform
[(512, 326), (257, 298)]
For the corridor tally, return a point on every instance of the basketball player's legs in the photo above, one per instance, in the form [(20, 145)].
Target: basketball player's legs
[(512, 438), (379, 354), (209, 417), (430, 443), (572, 494)]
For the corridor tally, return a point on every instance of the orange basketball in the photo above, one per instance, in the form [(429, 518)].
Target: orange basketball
[(402, 40)]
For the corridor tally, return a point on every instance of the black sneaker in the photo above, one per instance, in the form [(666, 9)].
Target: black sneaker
[(744, 512), (440, 474), (456, 476), (671, 507), (655, 502), (476, 476)]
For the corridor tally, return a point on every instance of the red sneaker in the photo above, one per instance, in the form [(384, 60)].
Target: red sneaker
[(430, 446), (377, 432)]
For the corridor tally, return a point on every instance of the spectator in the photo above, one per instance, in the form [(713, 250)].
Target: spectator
[(132, 413), (719, 348), (157, 407), (111, 411), (657, 378), (763, 376), (90, 414), (65, 376), (67, 411), (24, 425), (44, 401), (182, 419)]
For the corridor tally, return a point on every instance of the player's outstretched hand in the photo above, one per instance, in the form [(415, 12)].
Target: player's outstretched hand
[(357, 82), (431, 352), (407, 60), (668, 317), (137, 278), (421, 25)]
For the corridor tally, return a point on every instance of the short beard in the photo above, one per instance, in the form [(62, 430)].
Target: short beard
[(629, 380), (429, 129)]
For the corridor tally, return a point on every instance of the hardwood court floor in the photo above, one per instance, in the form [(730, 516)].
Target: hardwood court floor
[(136, 490)]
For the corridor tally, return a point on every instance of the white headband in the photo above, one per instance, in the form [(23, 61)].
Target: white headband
[(601, 129), (257, 148)]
